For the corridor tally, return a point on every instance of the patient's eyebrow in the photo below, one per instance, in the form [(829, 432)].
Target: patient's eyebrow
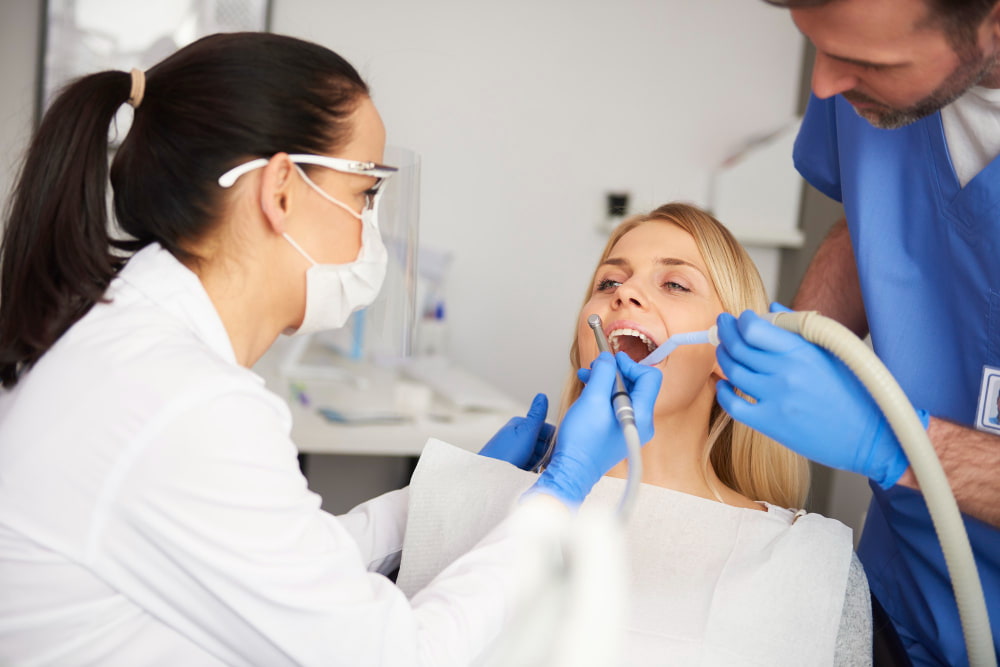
[(675, 261), (665, 261)]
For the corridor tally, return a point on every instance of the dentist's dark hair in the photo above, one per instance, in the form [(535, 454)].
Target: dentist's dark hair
[(215, 103)]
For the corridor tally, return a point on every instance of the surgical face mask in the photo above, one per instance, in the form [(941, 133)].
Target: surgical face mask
[(334, 291)]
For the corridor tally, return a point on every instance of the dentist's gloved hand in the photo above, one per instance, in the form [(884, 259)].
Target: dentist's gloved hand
[(522, 441), (806, 399), (590, 441)]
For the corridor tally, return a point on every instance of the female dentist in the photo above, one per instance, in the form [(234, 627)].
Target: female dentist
[(151, 506)]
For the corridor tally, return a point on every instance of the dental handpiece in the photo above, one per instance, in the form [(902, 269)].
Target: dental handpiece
[(625, 415), (620, 400)]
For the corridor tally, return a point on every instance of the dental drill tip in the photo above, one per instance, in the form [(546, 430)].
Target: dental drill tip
[(598, 328)]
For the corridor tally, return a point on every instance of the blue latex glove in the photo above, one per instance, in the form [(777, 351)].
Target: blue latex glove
[(806, 399), (590, 440), (522, 441)]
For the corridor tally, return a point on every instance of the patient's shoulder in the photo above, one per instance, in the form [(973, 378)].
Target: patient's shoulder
[(854, 637), (793, 516)]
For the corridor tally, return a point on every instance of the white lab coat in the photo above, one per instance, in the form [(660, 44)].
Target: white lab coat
[(152, 512)]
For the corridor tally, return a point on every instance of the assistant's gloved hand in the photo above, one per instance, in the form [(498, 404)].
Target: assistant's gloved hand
[(806, 399), (590, 441), (523, 440)]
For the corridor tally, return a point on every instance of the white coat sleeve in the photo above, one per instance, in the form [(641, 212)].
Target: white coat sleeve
[(210, 528), (378, 527)]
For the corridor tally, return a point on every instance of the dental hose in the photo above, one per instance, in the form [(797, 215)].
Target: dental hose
[(842, 343)]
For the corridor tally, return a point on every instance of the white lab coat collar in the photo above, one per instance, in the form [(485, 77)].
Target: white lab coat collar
[(161, 278)]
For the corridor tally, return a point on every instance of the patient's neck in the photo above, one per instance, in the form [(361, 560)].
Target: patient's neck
[(674, 459)]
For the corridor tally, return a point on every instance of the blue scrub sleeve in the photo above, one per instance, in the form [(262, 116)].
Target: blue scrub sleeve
[(816, 154)]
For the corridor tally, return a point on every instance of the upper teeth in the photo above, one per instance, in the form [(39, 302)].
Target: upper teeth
[(613, 338)]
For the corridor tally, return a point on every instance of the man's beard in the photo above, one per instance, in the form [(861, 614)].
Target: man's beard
[(970, 71)]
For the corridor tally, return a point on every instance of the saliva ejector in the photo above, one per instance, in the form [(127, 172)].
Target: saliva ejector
[(710, 336), (842, 343)]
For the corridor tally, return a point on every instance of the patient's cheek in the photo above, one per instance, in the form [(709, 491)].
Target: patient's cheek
[(588, 351), (688, 372)]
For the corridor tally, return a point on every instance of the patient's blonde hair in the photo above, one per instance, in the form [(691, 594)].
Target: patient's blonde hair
[(745, 460)]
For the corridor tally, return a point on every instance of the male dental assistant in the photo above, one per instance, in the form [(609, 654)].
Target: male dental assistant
[(904, 129)]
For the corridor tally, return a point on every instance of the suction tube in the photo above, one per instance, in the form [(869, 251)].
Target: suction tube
[(941, 504), (626, 419), (672, 343)]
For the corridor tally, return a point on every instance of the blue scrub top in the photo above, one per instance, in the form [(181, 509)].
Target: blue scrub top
[(928, 256)]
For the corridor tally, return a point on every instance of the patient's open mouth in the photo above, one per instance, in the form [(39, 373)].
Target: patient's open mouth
[(636, 344)]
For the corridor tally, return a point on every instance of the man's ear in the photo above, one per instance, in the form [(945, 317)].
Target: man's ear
[(992, 25), (275, 191)]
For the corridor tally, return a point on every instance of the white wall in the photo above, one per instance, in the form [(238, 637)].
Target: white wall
[(19, 23), (527, 112)]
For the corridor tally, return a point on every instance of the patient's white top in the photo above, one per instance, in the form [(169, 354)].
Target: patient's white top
[(709, 584), (152, 512)]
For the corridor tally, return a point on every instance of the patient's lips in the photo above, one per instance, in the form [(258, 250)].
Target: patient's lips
[(630, 338)]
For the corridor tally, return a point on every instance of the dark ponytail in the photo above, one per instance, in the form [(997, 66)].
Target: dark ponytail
[(221, 100), (56, 256)]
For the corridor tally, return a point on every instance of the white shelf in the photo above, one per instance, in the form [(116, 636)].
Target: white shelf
[(347, 385)]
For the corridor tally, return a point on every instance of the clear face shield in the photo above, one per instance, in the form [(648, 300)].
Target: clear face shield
[(384, 332)]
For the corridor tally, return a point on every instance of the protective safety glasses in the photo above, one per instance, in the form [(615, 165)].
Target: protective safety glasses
[(379, 172)]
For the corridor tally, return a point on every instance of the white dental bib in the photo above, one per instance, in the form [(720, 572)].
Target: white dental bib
[(710, 584)]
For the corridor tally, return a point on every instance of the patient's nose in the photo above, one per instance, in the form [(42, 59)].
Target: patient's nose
[(630, 293)]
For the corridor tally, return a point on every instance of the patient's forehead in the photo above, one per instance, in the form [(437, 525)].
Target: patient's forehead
[(657, 239)]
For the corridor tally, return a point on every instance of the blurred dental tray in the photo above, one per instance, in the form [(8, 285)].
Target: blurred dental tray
[(362, 419), (460, 388)]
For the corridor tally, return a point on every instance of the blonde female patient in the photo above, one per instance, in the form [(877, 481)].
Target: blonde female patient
[(725, 569)]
